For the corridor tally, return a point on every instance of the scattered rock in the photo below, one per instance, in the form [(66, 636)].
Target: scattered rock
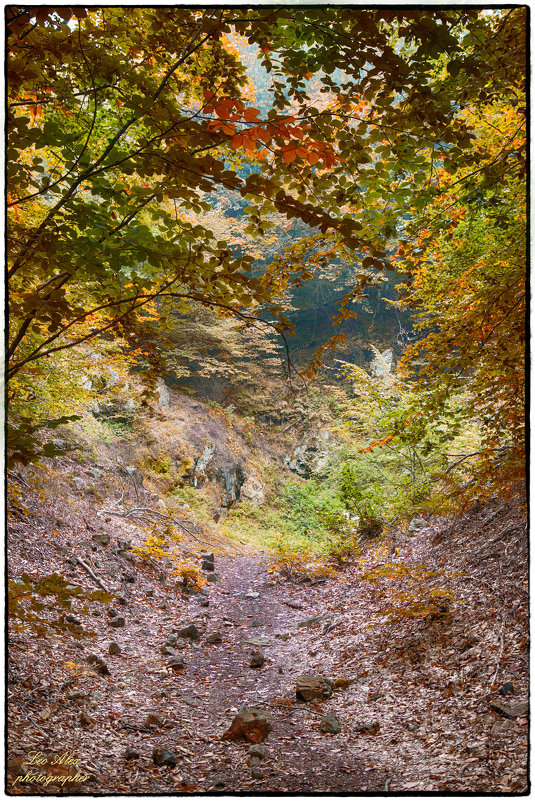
[(214, 638), (164, 605), (190, 632), (252, 491), (207, 557), (252, 595), (257, 754), (216, 783), (258, 641), (256, 773), (204, 602), (101, 539), (367, 728), (99, 664), (86, 720), (213, 578), (205, 565), (502, 727), (73, 620), (311, 456), (171, 639), (116, 622), (166, 650), (131, 753), (113, 612), (249, 724), (163, 757), (121, 600), (330, 724), (113, 649), (129, 578), (78, 645), (256, 623), (257, 659), (506, 689), (149, 592), (411, 725), (313, 687), (76, 695), (176, 664), (311, 621), (513, 709), (153, 720), (294, 604)]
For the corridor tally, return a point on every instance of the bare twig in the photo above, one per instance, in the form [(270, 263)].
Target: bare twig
[(144, 512), (95, 578)]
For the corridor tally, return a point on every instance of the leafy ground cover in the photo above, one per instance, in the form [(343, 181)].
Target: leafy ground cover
[(416, 696)]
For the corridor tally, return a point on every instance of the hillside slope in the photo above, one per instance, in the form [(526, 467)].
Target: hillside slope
[(433, 701)]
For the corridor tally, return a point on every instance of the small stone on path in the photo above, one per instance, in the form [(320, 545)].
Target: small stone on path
[(117, 622), (99, 664), (153, 719), (114, 649), (367, 728), (190, 632), (131, 753), (513, 709), (249, 724), (330, 724), (259, 641), (257, 659), (161, 756), (313, 687)]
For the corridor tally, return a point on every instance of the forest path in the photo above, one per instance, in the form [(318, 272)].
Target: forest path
[(217, 680), (420, 708)]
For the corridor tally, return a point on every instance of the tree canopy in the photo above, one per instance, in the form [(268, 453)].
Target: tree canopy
[(372, 125)]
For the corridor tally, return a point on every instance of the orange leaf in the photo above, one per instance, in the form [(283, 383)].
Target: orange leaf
[(251, 114), (289, 156)]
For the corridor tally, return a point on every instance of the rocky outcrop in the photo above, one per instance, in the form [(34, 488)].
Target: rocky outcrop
[(381, 365), (163, 393), (253, 491), (311, 456), (218, 467)]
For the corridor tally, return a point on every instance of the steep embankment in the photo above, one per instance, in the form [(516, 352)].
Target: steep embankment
[(418, 701)]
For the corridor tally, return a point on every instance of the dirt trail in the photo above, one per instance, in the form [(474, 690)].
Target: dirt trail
[(217, 681)]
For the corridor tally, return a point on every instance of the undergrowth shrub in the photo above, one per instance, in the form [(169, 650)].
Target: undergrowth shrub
[(156, 549), (407, 593)]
